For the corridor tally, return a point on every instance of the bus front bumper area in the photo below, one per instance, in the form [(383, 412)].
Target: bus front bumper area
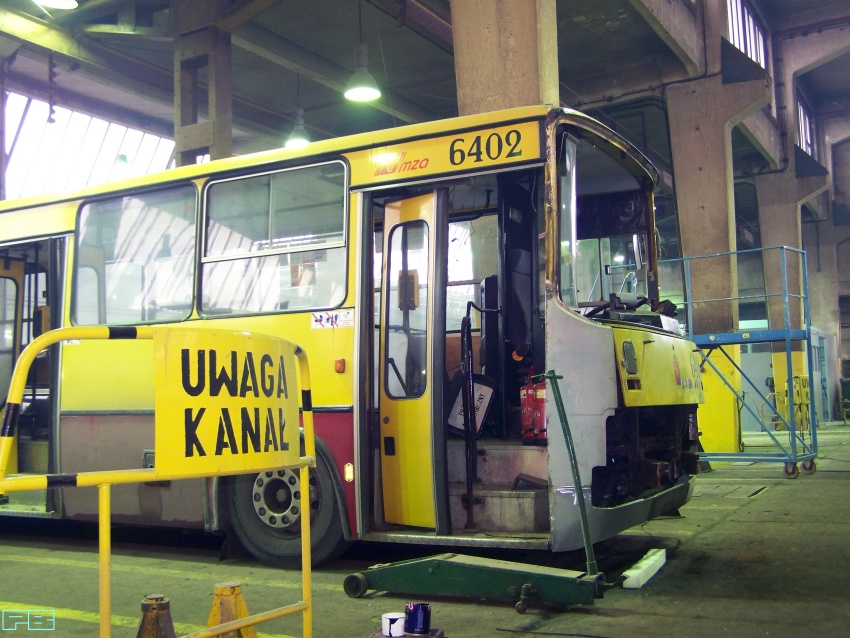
[(610, 521)]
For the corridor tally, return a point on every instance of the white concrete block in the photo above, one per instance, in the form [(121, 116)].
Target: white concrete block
[(644, 569)]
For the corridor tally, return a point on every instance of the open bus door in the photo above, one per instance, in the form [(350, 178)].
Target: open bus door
[(412, 342), (11, 313), (25, 313)]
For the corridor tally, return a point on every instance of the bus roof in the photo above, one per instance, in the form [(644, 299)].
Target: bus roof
[(369, 142)]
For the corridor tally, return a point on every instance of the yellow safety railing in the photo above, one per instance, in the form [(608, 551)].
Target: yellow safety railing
[(103, 480)]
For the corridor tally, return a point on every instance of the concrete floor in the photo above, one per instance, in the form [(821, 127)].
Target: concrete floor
[(753, 554)]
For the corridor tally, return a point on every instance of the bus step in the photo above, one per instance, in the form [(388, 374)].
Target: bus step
[(479, 578), (29, 502), (498, 461), (498, 508)]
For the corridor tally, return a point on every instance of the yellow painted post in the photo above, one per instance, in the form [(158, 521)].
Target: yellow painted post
[(719, 422), (310, 450), (105, 540), (229, 605)]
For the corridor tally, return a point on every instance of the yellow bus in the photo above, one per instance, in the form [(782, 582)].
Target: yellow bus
[(531, 228)]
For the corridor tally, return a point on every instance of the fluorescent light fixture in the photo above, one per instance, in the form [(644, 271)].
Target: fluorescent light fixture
[(619, 259), (362, 86), (298, 138), (57, 4)]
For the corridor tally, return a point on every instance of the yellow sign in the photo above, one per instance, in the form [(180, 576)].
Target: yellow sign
[(226, 402), (463, 151)]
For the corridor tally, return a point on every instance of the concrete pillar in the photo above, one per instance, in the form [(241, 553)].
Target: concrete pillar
[(506, 54), (821, 241), (781, 194), (208, 47), (701, 116)]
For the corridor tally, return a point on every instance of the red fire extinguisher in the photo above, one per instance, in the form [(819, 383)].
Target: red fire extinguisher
[(532, 399)]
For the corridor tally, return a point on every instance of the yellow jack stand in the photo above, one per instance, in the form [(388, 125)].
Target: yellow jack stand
[(229, 605), (156, 618)]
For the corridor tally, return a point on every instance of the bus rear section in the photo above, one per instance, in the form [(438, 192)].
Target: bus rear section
[(553, 267)]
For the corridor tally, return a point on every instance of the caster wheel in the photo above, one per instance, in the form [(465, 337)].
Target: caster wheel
[(355, 585), (791, 471), (808, 467), (521, 607)]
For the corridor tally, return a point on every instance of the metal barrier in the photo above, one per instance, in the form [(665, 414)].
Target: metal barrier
[(171, 355)]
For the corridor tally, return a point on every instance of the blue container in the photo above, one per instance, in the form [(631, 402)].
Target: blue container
[(417, 619)]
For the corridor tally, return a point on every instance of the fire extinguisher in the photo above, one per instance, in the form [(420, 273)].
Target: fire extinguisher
[(532, 399)]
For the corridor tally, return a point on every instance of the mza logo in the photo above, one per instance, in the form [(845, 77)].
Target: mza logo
[(403, 165)]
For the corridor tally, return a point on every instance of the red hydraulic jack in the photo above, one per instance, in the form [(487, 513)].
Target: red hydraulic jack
[(484, 578)]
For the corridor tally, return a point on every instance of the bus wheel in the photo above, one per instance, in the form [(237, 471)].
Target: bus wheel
[(265, 514)]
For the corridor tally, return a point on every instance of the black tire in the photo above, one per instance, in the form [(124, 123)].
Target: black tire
[(355, 585), (265, 514)]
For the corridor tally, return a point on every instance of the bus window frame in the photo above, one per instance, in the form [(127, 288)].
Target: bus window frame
[(203, 223), (74, 254), (578, 130)]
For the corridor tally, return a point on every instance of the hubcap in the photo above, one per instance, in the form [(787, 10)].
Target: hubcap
[(278, 499)]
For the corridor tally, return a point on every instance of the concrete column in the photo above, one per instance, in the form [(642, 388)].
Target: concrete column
[(208, 47), (701, 116), (780, 196), (506, 54), (821, 240)]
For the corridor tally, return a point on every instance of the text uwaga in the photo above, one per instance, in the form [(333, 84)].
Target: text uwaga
[(260, 432)]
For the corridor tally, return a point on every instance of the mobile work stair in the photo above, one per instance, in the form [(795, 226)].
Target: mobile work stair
[(784, 429)]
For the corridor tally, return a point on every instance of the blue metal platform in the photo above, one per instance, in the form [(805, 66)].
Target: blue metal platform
[(790, 429)]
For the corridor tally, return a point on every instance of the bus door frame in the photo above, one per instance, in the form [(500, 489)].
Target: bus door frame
[(406, 489)]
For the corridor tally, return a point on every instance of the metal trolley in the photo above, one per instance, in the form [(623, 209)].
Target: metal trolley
[(786, 413)]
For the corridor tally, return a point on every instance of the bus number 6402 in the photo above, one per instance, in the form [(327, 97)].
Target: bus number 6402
[(493, 146)]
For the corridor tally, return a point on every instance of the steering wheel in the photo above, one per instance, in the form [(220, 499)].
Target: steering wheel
[(598, 309), (607, 304)]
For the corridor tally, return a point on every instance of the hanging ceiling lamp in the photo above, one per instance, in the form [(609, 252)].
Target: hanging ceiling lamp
[(362, 86), (298, 138)]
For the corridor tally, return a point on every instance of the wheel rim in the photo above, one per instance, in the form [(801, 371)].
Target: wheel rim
[(278, 499)]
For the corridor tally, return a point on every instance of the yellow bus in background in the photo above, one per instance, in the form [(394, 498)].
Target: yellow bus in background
[(532, 228)]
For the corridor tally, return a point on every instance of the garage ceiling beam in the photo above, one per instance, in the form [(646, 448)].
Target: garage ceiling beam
[(420, 19), (99, 9), (139, 78), (270, 46)]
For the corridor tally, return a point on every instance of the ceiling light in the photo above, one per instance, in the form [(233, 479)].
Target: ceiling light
[(57, 4), (298, 138), (362, 86)]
